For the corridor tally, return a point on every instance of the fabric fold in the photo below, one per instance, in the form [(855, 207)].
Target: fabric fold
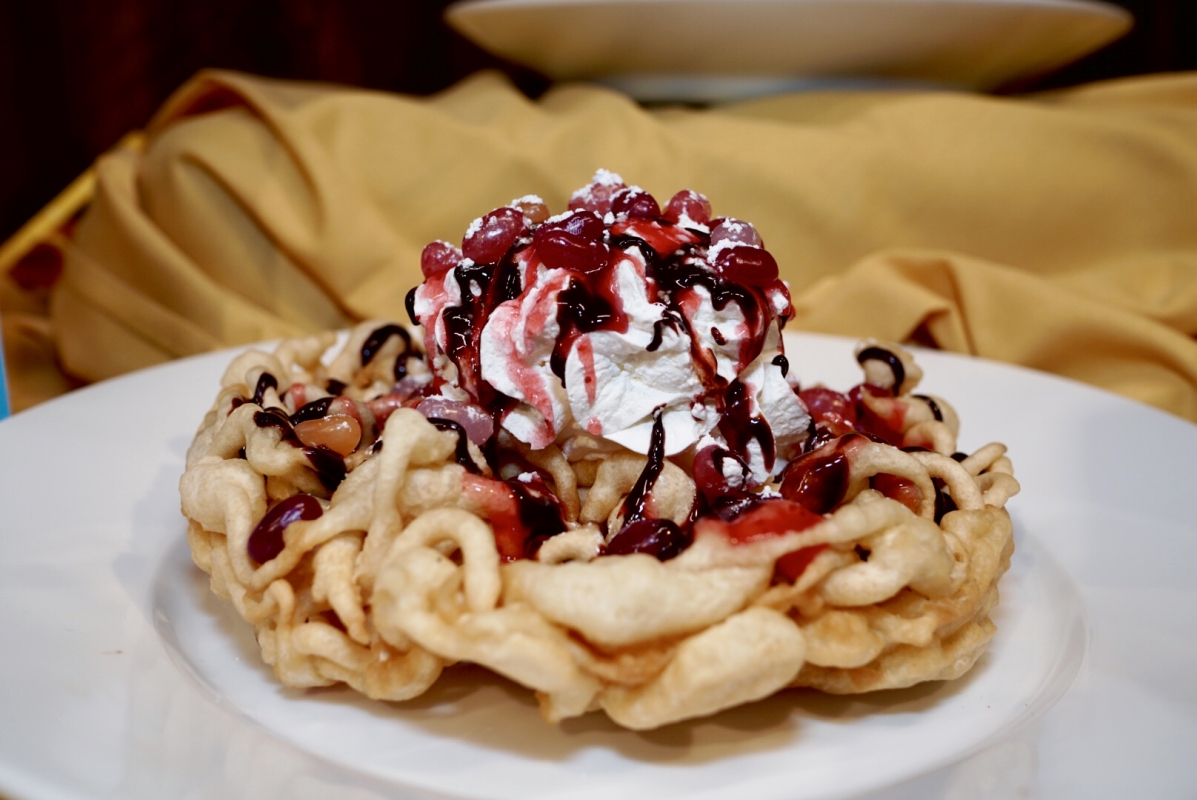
[(1054, 232)]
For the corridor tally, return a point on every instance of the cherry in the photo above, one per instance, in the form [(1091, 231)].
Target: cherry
[(266, 541), (597, 196), (340, 433), (438, 258), (690, 205), (477, 423), (753, 266), (822, 402), (573, 243), (886, 428), (532, 207), (635, 202), (711, 479), (735, 231), (791, 566), (817, 481), (661, 538), (770, 518), (489, 238), (897, 488)]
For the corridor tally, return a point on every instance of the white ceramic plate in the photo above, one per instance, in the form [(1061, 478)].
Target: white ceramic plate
[(123, 677), (719, 49)]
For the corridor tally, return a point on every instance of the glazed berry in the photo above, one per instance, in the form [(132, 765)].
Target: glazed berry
[(688, 205), (735, 231), (573, 242), (438, 258), (266, 541), (660, 538), (636, 203), (822, 402), (532, 207), (753, 266), (598, 195), (489, 238)]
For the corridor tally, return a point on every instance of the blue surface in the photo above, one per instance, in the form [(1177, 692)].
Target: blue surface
[(3, 386)]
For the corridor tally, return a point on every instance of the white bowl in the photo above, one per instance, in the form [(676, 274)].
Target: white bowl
[(717, 49)]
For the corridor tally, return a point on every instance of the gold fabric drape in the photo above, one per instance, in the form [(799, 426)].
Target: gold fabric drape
[(1057, 232)]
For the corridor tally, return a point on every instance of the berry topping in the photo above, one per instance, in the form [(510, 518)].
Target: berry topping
[(719, 473), (735, 231), (531, 207), (438, 258), (746, 264), (597, 196), (660, 538), (635, 202), (768, 519), (477, 423), (828, 404), (340, 433), (266, 541), (817, 481), (489, 238), (688, 207), (573, 241)]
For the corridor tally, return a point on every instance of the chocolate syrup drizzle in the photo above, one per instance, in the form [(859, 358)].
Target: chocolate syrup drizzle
[(378, 338), (662, 538), (329, 466), (590, 303), (895, 364), (635, 505), (934, 406), (462, 454), (265, 381)]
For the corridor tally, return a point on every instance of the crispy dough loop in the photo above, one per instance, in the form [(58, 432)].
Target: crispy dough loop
[(565, 482), (673, 493), (400, 576), (872, 458)]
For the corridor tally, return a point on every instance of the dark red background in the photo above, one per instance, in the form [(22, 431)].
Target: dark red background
[(75, 76)]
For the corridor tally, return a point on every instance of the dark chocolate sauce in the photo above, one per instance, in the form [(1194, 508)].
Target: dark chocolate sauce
[(462, 454), (661, 538), (277, 418), (378, 338), (943, 500), (409, 303), (317, 409), (669, 318), (783, 362), (265, 381), (739, 426), (583, 308), (329, 466), (540, 514), (266, 541), (895, 364), (934, 406), (635, 505)]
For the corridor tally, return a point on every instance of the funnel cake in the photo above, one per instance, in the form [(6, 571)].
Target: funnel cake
[(510, 490)]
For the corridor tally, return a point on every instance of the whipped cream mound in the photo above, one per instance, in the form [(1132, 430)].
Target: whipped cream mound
[(597, 324)]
